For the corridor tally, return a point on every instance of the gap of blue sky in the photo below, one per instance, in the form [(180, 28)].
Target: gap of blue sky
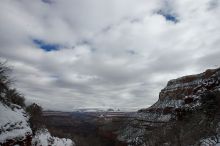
[(168, 16), (46, 46)]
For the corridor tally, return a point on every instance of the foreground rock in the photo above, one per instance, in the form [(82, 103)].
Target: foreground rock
[(14, 126), (44, 138)]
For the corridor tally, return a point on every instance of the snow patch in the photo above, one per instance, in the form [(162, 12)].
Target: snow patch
[(44, 138), (13, 123)]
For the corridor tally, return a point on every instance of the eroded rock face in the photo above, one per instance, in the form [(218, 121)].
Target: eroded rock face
[(189, 85), (185, 92), (178, 96)]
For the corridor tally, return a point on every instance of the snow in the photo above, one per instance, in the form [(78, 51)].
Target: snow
[(209, 142), (14, 126), (13, 123), (132, 135), (168, 103), (44, 138)]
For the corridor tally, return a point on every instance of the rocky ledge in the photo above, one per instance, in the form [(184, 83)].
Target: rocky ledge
[(178, 96), (182, 93)]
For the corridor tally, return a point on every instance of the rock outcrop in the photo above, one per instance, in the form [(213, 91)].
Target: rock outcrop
[(178, 96), (183, 93), (14, 126)]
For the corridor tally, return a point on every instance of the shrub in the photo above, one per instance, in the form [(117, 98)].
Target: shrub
[(4, 77), (36, 116), (13, 96)]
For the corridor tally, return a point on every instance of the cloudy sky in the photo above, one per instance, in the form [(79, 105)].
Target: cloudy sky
[(70, 54)]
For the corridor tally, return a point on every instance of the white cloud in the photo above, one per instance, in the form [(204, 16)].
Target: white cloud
[(116, 53)]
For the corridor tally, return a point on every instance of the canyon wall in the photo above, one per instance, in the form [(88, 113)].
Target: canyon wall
[(180, 95)]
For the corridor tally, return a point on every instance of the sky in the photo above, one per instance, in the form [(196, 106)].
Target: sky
[(69, 54)]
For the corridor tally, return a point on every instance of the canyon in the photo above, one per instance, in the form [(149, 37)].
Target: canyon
[(181, 97), (187, 113)]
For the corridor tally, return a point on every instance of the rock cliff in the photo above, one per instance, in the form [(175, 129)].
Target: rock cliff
[(183, 93), (180, 95)]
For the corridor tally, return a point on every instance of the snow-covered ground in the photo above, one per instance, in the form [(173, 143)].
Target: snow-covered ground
[(210, 142), (43, 138), (14, 126), (13, 123)]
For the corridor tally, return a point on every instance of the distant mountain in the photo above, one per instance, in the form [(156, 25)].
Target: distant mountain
[(89, 110), (104, 109)]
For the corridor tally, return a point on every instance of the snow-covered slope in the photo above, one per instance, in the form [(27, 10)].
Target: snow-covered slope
[(13, 124), (16, 130), (43, 138)]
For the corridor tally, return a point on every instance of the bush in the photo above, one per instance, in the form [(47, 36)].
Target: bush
[(8, 95), (13, 96), (36, 116), (4, 77)]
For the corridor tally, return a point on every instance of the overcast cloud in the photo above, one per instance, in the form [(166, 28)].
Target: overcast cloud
[(106, 53)]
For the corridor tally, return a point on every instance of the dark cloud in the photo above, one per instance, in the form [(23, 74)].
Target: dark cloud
[(48, 1), (213, 4)]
